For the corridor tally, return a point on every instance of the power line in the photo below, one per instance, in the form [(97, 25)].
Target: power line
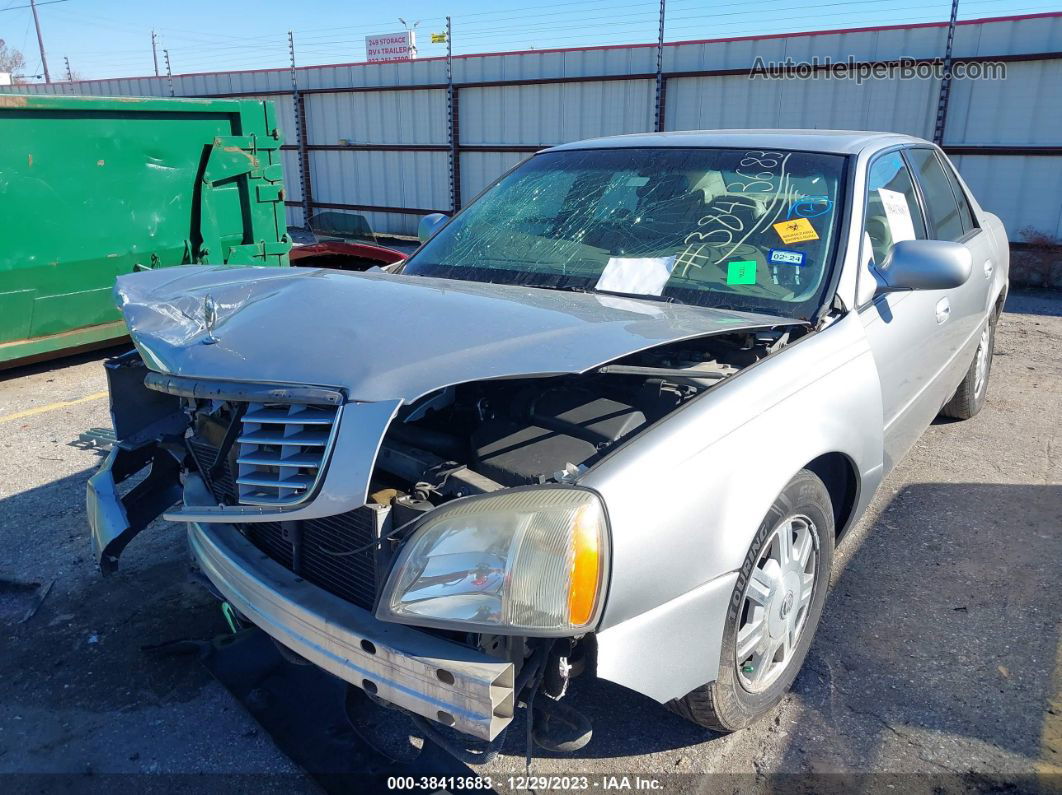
[(494, 31), (32, 4)]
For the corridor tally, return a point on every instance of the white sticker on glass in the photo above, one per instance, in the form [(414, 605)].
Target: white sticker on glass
[(900, 224), (636, 275)]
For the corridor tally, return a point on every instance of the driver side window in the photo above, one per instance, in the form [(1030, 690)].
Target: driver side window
[(893, 213)]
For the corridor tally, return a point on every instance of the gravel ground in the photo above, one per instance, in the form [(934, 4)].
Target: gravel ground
[(936, 653)]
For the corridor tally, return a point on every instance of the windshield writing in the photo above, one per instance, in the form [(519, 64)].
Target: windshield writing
[(743, 229)]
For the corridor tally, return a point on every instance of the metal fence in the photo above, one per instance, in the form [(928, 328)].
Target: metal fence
[(397, 140)]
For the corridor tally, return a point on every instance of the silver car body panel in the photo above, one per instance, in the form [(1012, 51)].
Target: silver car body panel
[(840, 142), (685, 501), (686, 496), (942, 326), (388, 336), (422, 673)]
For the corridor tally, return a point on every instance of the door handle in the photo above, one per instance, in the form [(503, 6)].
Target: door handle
[(943, 310)]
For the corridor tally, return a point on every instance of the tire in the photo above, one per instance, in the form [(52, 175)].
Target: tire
[(970, 396), (736, 699)]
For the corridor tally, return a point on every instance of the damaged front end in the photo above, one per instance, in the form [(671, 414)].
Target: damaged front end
[(432, 547), (148, 427)]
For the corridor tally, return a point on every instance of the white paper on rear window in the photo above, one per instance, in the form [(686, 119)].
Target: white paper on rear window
[(899, 214), (636, 275)]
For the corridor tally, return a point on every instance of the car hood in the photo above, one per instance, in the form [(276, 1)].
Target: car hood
[(386, 337)]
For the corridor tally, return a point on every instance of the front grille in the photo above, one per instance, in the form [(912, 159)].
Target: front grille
[(282, 450), (277, 457), (279, 453)]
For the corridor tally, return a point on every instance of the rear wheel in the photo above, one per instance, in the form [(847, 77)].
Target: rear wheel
[(774, 610), (970, 396)]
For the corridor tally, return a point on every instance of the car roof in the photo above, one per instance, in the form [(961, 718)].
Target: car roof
[(847, 142)]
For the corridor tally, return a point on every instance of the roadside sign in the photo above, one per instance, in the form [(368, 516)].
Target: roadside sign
[(391, 46)]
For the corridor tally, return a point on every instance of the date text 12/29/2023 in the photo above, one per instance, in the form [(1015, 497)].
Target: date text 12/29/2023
[(605, 783)]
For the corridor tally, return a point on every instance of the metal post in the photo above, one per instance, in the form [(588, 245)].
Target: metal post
[(300, 135), (169, 72), (155, 51), (658, 106), (69, 74), (945, 80), (40, 41), (451, 132)]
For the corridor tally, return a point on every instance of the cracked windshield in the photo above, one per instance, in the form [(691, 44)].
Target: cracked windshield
[(734, 228)]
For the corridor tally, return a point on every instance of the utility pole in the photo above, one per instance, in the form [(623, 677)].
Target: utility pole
[(300, 137), (169, 73), (455, 198), (658, 108), (945, 79), (69, 74), (40, 41), (155, 51)]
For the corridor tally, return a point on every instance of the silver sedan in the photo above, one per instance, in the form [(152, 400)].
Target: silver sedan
[(609, 420)]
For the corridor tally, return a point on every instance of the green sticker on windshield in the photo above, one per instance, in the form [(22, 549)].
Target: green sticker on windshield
[(741, 272)]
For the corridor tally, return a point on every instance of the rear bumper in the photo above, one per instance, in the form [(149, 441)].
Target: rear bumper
[(424, 674)]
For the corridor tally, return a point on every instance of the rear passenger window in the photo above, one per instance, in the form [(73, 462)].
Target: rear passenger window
[(969, 223), (892, 207), (945, 221)]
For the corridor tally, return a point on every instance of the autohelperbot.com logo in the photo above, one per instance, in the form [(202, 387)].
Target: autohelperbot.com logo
[(906, 68)]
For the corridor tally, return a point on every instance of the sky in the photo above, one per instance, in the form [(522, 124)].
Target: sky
[(112, 38)]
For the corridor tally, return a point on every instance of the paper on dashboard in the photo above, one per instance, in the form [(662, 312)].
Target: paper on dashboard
[(636, 275)]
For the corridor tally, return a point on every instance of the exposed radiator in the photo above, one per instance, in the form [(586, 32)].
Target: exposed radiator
[(320, 550)]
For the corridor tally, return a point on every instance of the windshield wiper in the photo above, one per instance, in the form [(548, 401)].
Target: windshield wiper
[(571, 288)]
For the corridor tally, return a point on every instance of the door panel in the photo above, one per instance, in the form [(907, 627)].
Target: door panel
[(950, 218), (903, 331), (902, 328)]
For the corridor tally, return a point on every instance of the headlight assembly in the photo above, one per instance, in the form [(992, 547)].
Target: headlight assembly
[(530, 561)]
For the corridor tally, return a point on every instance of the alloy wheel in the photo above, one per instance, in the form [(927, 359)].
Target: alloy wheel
[(981, 365), (776, 603)]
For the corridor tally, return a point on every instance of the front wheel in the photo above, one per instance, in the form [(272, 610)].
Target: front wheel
[(774, 610)]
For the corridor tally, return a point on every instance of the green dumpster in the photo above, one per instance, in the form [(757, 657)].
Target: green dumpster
[(94, 187)]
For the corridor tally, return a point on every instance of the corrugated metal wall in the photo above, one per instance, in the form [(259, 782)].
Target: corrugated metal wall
[(553, 113), (377, 138)]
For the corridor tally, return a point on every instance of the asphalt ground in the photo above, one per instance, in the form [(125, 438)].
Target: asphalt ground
[(937, 664)]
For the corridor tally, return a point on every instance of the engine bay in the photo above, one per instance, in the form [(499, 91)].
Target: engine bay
[(527, 431)]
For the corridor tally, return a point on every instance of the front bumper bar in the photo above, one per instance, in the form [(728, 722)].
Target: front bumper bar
[(426, 675)]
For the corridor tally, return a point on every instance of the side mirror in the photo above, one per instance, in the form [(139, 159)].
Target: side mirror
[(429, 225), (925, 265)]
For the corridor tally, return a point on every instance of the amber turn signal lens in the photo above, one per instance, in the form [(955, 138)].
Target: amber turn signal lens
[(586, 565)]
